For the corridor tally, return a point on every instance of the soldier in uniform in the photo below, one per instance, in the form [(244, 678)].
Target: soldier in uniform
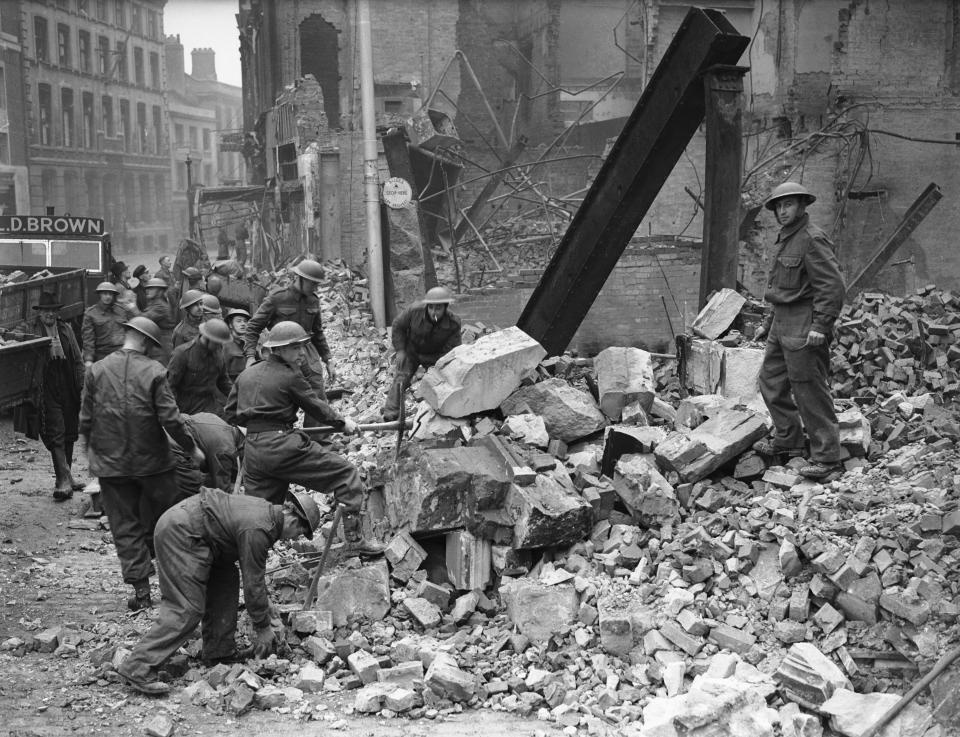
[(158, 309), (103, 324), (265, 400), (297, 303), (220, 443), (806, 289), (125, 415), (198, 370), (200, 541), (189, 327), (236, 358)]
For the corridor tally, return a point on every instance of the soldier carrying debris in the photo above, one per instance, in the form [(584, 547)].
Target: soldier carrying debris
[(199, 543), (806, 289), (265, 400), (421, 334)]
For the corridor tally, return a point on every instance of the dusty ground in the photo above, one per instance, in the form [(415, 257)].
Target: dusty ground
[(52, 574)]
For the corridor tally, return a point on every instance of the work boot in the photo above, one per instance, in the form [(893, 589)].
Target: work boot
[(141, 597), (75, 485), (767, 447), (356, 543), (63, 489), (150, 688), (818, 470)]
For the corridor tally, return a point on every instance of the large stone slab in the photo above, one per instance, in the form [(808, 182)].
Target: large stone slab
[(569, 414), (624, 376), (712, 707), (644, 491), (548, 512), (702, 366), (355, 594), (537, 610), (479, 376), (855, 431), (620, 440), (440, 489), (702, 451), (741, 372), (718, 314), (808, 673), (851, 714)]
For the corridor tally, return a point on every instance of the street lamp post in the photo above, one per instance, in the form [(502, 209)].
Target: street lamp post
[(190, 216)]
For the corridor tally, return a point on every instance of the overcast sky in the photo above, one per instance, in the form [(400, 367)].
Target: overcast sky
[(207, 23)]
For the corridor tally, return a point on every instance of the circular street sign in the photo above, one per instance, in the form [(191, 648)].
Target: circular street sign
[(397, 193)]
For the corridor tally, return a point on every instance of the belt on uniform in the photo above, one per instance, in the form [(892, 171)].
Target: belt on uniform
[(268, 426)]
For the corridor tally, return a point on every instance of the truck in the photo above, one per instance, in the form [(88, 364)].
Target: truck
[(64, 255)]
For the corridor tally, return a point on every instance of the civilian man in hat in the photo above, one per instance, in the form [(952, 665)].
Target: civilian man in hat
[(421, 334), (55, 421), (236, 358), (806, 289), (199, 542), (297, 303), (140, 276), (103, 324), (158, 309), (265, 400), (125, 415), (198, 370), (191, 305)]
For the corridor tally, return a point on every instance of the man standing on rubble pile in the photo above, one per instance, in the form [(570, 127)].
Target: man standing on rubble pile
[(806, 289), (421, 334), (265, 400), (297, 303), (199, 543), (198, 370), (125, 414)]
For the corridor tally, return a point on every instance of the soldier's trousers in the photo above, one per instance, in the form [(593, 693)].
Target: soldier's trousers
[(793, 383), (274, 459), (196, 589)]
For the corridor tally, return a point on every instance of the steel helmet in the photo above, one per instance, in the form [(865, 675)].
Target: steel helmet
[(286, 333), (307, 510), (156, 283), (438, 296), (309, 269), (210, 303), (789, 189), (106, 286), (237, 312), (144, 326), (215, 330), (190, 298), (192, 273), (214, 284)]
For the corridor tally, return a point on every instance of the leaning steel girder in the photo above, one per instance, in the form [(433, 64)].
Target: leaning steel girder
[(665, 118)]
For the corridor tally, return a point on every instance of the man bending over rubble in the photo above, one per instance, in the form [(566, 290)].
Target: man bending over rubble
[(265, 400), (421, 334), (806, 289), (199, 543)]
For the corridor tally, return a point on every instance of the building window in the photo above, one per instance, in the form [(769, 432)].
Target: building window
[(206, 139), (136, 19), (120, 13), (146, 201), (143, 143), (124, 131), (67, 118), (45, 100), (106, 115), (83, 51), (178, 133), (40, 40), (102, 11), (193, 138), (153, 25), (63, 46), (103, 55), (157, 129), (83, 7), (155, 70), (138, 73), (88, 128), (121, 53)]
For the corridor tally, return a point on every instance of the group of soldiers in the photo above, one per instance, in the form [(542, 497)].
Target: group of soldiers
[(165, 410)]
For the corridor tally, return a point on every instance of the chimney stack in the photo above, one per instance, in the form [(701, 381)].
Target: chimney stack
[(204, 64), (173, 51)]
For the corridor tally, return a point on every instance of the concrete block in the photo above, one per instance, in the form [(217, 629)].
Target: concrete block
[(479, 376), (528, 429), (370, 698), (808, 673), (624, 376), (569, 413), (310, 679), (355, 594), (406, 675), (717, 441), (320, 649), (401, 700), (539, 611), (308, 622), (445, 679), (621, 440), (855, 432), (852, 714), (436, 595), (741, 372), (548, 512), (468, 560), (718, 314), (423, 612), (364, 666), (647, 495), (159, 725), (731, 638), (464, 606), (404, 555), (704, 366)]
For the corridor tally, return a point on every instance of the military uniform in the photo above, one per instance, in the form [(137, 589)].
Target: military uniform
[(290, 304), (158, 309), (199, 543), (235, 357), (196, 373), (220, 444), (805, 287), (126, 413), (265, 400), (418, 342), (102, 330), (187, 329)]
